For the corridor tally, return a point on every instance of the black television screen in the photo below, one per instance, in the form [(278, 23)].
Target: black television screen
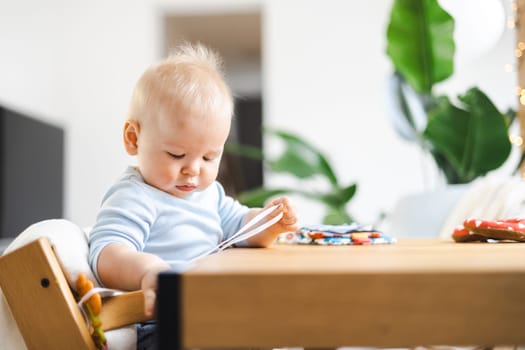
[(31, 171)]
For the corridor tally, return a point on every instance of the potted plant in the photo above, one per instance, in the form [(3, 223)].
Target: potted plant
[(468, 136), (303, 161)]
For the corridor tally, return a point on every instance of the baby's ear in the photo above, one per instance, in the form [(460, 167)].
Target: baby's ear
[(131, 134)]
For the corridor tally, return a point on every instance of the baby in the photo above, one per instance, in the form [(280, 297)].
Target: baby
[(170, 208)]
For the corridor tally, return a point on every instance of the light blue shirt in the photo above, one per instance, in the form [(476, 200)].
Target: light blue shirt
[(152, 221)]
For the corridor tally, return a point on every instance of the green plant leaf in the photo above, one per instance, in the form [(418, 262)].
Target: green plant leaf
[(347, 193), (339, 196), (473, 138), (402, 116), (301, 159), (259, 196), (510, 115), (337, 216), (450, 172), (248, 151), (420, 42)]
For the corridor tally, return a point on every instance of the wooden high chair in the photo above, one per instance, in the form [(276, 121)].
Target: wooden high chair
[(44, 306)]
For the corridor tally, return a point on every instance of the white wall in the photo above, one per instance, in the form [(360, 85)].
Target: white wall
[(324, 72), (74, 64)]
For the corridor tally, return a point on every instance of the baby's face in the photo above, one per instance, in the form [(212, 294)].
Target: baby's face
[(180, 154)]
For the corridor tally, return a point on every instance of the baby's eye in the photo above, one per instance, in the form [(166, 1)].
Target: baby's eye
[(208, 159), (176, 156)]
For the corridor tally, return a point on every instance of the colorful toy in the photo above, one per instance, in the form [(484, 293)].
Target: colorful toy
[(483, 230), (92, 307), (348, 234)]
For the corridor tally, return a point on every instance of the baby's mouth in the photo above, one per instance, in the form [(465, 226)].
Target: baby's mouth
[(186, 188)]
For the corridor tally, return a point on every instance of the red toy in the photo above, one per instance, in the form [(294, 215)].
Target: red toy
[(482, 230)]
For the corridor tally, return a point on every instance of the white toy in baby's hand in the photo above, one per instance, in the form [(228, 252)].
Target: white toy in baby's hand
[(252, 227)]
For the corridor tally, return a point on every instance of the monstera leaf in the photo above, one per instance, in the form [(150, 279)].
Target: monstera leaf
[(421, 43), (466, 140), (473, 138)]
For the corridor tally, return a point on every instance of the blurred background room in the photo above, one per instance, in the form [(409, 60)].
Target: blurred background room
[(317, 69)]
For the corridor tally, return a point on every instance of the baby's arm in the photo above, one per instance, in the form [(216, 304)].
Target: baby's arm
[(121, 267), (287, 223)]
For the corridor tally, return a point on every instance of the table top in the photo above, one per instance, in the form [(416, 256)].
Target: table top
[(414, 292), (407, 255)]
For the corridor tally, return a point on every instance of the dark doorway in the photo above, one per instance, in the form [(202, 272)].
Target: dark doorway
[(238, 174)]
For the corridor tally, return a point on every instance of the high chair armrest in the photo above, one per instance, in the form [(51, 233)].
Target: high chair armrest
[(122, 310), (44, 306)]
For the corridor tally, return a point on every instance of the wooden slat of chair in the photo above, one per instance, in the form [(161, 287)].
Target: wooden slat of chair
[(122, 310), (44, 307)]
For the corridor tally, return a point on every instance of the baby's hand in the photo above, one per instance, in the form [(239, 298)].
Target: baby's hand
[(288, 222), (149, 287)]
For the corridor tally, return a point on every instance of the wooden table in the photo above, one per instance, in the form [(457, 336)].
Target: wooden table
[(414, 292)]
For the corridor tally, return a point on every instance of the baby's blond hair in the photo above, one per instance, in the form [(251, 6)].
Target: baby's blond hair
[(190, 80)]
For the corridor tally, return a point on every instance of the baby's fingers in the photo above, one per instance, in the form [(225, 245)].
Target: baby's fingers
[(149, 302), (289, 224)]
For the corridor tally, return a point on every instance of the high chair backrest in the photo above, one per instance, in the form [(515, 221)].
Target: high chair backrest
[(44, 306)]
